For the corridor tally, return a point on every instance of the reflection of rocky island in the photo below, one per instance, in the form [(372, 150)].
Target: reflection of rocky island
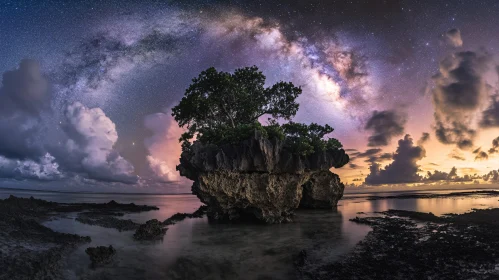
[(260, 178), (245, 170)]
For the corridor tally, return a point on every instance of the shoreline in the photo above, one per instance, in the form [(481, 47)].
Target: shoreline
[(382, 240), (82, 192), (348, 193), (31, 250), (404, 244)]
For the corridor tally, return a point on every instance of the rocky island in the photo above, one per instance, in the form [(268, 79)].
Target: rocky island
[(243, 170), (259, 178)]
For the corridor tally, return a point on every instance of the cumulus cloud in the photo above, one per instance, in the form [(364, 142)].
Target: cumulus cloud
[(33, 146), (404, 167), (163, 146), (459, 91), (452, 176), (437, 176), (45, 169), (452, 38), (492, 176), (92, 136), (385, 125)]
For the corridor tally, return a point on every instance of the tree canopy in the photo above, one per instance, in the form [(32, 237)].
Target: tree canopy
[(220, 107)]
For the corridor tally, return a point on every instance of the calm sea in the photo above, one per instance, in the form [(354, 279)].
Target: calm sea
[(197, 249)]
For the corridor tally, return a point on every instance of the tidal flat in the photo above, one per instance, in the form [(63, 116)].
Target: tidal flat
[(391, 237)]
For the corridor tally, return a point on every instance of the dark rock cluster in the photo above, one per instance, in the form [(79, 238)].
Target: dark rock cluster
[(199, 213), (100, 255), (107, 220), (261, 179), (410, 245), (29, 250), (151, 230)]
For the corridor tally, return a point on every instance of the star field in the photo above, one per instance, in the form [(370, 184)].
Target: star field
[(388, 63)]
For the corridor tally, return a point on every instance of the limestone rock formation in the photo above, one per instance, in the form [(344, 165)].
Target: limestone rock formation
[(322, 190), (260, 179)]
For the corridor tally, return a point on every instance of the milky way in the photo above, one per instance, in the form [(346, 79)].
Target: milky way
[(374, 72)]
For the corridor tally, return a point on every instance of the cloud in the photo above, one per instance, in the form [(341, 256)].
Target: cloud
[(89, 76), (459, 92), (369, 152), (370, 155), (353, 165), (495, 146), (424, 138), (45, 169), (92, 136), (23, 95), (492, 176), (452, 176), (385, 156), (33, 146), (404, 167), (480, 155), (385, 125), (26, 87), (490, 116), (163, 146), (452, 38), (456, 154), (437, 176)]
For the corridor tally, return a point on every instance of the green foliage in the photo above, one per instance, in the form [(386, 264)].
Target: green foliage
[(307, 139), (222, 108), (274, 130), (229, 135), (217, 100)]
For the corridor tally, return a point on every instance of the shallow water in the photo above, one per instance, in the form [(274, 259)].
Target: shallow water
[(197, 249)]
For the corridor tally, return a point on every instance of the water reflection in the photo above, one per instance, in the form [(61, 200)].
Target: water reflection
[(195, 248)]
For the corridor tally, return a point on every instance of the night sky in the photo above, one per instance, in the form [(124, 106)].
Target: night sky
[(409, 86)]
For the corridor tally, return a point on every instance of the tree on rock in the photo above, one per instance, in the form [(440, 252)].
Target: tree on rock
[(220, 107)]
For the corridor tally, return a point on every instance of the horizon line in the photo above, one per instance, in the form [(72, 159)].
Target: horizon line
[(90, 192)]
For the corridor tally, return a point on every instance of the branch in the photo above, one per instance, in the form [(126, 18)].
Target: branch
[(256, 118)]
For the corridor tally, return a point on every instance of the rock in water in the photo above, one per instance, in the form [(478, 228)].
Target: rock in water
[(259, 178), (151, 230), (322, 191), (101, 254)]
